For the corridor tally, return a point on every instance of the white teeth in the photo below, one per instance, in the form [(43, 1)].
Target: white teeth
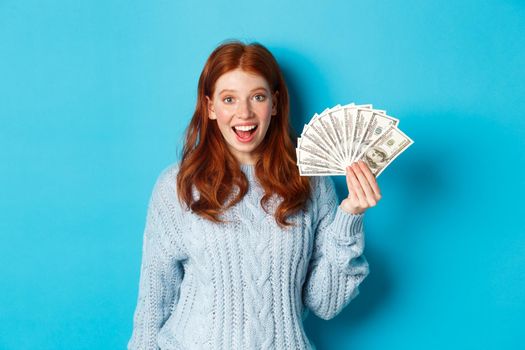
[(245, 128)]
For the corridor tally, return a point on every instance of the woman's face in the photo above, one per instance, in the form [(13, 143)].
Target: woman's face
[(242, 105)]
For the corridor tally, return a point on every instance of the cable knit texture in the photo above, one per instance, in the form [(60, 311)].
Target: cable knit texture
[(245, 283)]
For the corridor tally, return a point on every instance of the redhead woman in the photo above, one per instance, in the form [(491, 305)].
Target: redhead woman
[(237, 246)]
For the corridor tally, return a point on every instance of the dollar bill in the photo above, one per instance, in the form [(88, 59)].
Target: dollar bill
[(307, 170), (335, 119), (385, 149), (362, 118), (317, 160), (377, 125), (313, 136), (349, 117), (315, 147), (323, 128)]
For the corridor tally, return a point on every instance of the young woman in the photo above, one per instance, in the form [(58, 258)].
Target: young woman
[(237, 246)]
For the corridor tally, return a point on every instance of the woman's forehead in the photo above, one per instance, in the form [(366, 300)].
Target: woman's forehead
[(241, 79)]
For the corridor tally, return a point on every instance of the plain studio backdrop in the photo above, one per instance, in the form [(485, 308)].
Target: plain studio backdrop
[(94, 100)]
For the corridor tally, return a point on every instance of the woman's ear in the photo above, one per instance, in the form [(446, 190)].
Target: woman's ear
[(274, 102), (211, 110)]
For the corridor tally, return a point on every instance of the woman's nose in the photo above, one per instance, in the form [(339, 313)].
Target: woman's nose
[(244, 109)]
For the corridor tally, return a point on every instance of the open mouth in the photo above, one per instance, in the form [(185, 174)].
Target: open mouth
[(244, 132)]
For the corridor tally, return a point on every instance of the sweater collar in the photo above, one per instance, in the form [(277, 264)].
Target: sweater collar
[(248, 170)]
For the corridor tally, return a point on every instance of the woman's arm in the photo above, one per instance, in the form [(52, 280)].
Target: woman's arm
[(338, 265), (161, 270)]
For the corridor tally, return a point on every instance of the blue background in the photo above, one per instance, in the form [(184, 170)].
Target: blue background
[(94, 99)]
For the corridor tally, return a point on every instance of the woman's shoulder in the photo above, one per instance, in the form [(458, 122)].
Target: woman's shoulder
[(169, 172), (165, 204), (167, 177), (165, 187)]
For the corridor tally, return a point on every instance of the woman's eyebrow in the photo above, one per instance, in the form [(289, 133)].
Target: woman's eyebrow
[(231, 90)]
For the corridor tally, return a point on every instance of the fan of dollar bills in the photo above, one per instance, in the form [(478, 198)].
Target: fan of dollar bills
[(342, 135)]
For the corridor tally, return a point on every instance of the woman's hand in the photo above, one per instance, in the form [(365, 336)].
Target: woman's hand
[(363, 191)]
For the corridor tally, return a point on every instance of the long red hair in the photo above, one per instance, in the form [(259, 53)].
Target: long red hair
[(209, 166)]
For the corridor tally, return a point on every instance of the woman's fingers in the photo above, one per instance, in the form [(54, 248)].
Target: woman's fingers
[(366, 187), (360, 194), (349, 183), (371, 179), (362, 188)]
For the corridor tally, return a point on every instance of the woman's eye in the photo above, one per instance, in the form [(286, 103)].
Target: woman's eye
[(260, 98), (228, 99)]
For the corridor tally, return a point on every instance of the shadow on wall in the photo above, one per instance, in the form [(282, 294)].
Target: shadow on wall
[(409, 190), (434, 191), (415, 189), (293, 66)]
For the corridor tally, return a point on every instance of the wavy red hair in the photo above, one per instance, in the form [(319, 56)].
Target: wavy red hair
[(209, 166)]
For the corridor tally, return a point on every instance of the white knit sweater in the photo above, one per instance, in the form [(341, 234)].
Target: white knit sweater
[(244, 284)]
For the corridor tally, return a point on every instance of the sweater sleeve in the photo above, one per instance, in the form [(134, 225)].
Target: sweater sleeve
[(337, 265), (161, 269)]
